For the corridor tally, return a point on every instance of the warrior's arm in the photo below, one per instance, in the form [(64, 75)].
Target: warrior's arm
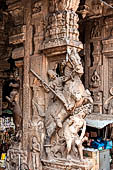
[(37, 147), (79, 103)]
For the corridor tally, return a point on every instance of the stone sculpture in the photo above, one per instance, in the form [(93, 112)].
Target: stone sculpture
[(60, 5), (41, 131), (67, 108), (96, 82), (108, 105), (35, 153), (71, 129)]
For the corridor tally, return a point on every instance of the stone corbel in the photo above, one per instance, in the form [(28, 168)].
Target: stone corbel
[(108, 47)]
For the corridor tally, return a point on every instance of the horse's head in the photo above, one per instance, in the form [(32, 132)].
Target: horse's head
[(75, 61)]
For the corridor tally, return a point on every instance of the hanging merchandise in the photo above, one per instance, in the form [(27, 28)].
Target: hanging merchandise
[(7, 130)]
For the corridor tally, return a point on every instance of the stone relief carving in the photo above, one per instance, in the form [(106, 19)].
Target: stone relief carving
[(37, 7), (17, 15), (96, 30), (61, 25), (68, 105), (95, 79), (35, 153), (108, 105), (16, 156), (71, 129), (60, 5), (41, 132), (93, 7), (97, 7)]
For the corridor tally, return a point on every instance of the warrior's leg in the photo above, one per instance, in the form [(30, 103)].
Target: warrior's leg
[(69, 144), (56, 118), (80, 149)]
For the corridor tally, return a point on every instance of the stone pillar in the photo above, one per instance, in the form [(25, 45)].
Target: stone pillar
[(61, 28), (26, 83), (108, 78), (61, 43)]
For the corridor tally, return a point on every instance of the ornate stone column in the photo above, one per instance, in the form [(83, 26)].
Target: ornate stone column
[(61, 27), (26, 83), (61, 43)]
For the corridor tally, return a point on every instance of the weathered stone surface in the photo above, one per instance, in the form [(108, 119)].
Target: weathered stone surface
[(48, 37), (70, 165)]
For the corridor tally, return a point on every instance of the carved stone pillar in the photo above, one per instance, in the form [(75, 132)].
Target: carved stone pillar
[(61, 43), (26, 83), (94, 63), (61, 28), (108, 70)]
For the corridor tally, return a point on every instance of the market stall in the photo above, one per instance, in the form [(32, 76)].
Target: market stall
[(7, 129), (99, 132)]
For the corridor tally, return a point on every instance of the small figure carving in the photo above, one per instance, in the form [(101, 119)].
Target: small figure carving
[(95, 79), (96, 30), (36, 7), (108, 105), (35, 153), (41, 130), (61, 5), (58, 148)]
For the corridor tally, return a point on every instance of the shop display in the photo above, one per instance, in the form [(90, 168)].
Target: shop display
[(7, 130)]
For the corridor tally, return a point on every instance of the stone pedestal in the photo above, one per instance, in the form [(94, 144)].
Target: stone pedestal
[(62, 164)]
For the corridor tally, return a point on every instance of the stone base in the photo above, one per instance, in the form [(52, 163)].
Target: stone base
[(62, 164), (14, 155)]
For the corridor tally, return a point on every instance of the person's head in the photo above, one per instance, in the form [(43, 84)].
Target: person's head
[(34, 139), (51, 74), (78, 96), (40, 125)]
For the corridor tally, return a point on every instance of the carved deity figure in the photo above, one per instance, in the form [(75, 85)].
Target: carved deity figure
[(95, 79), (96, 30), (35, 153)]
